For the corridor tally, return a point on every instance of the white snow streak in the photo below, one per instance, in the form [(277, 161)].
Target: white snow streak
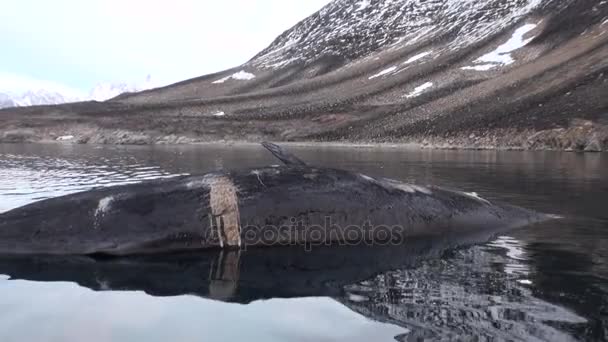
[(384, 72), (291, 42), (417, 57), (480, 67), (502, 54), (419, 90), (241, 76)]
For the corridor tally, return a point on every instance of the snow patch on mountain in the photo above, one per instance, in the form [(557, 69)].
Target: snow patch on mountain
[(502, 54), (383, 72), (419, 90), (481, 67), (106, 90), (417, 57), (239, 76), (65, 138)]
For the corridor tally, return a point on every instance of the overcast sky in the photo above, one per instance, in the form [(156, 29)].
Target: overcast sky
[(78, 43)]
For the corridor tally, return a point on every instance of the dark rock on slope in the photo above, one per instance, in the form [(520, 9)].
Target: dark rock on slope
[(480, 74)]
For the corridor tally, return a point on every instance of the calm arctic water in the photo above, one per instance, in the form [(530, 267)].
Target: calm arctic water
[(547, 282)]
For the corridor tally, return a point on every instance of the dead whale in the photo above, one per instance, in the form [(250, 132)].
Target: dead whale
[(294, 204)]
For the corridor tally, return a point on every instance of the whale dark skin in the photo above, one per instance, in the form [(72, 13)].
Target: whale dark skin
[(269, 206)]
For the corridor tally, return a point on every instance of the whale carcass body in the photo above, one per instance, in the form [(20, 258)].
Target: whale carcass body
[(294, 204)]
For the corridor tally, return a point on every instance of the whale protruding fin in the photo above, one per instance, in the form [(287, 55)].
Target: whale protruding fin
[(283, 155)]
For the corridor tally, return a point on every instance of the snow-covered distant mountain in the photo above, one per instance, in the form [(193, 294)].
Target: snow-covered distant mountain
[(5, 101), (105, 91), (46, 93), (34, 97)]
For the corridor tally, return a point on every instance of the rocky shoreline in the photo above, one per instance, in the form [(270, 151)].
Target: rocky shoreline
[(580, 136)]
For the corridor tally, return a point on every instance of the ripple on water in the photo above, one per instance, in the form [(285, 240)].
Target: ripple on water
[(24, 179), (476, 293)]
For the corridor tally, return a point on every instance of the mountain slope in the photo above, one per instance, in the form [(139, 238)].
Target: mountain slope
[(470, 73)]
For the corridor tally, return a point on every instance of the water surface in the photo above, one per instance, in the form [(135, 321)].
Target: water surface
[(545, 282)]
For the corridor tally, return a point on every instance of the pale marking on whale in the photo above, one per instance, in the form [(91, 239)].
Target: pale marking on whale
[(367, 177), (102, 208), (104, 205), (422, 189), (410, 188), (224, 205), (223, 200), (257, 173), (475, 196)]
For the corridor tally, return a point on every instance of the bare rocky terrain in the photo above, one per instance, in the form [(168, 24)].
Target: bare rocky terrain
[(518, 74)]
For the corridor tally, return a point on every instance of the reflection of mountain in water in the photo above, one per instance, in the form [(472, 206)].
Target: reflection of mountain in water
[(473, 292)]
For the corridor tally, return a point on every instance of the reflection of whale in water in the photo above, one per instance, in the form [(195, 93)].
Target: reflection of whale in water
[(236, 275), (407, 285), (292, 204)]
